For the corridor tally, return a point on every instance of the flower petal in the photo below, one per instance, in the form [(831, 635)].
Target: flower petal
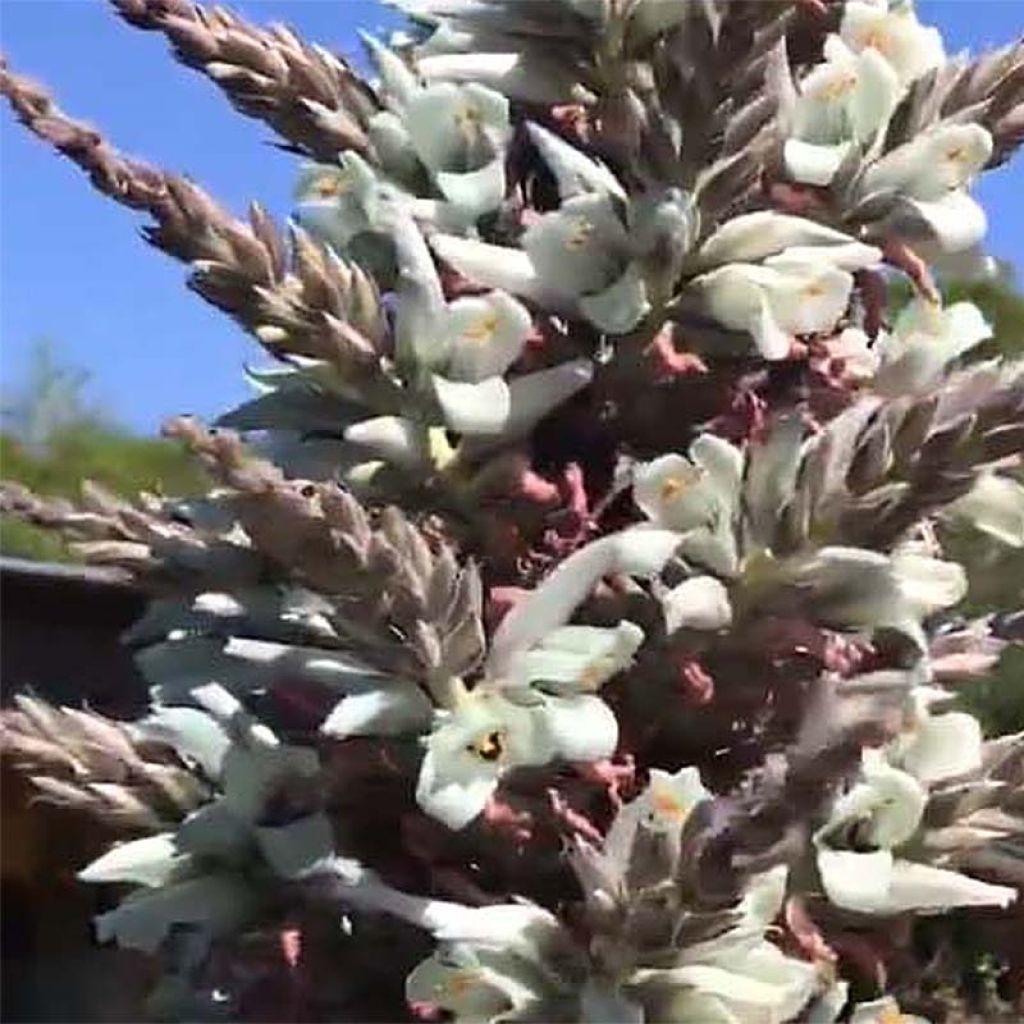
[(944, 746), (619, 307), (995, 505), (701, 602), (392, 710), (579, 727), (152, 861), (487, 334), (480, 408)]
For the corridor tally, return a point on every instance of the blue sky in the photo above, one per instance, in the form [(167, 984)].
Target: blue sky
[(72, 266)]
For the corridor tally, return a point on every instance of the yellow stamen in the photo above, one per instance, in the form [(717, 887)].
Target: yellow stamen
[(580, 235), (878, 39), (891, 1015), (956, 155), (468, 121), (594, 674), (667, 806), (839, 86), (458, 983), (490, 747), (483, 330), (814, 291), (329, 185), (673, 486)]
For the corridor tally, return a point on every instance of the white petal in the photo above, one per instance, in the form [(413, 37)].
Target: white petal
[(669, 798), (602, 1002), (579, 727), (754, 236), (955, 222), (516, 76), (481, 408), (533, 395), (924, 888), (928, 584), (475, 192), (701, 602), (995, 505), (198, 738), (487, 334), (672, 492), (813, 163), (152, 861), (580, 658), (637, 552), (394, 438), (494, 266), (619, 307), (944, 746), (386, 711), (856, 881), (574, 171), (455, 802), (399, 82)]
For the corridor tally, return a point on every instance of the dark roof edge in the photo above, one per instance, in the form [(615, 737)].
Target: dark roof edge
[(60, 572)]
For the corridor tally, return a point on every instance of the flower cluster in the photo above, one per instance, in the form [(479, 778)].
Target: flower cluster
[(575, 589)]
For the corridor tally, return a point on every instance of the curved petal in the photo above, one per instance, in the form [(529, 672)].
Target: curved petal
[(813, 163), (493, 266), (152, 861), (754, 236), (580, 248), (701, 602), (995, 505), (475, 192), (856, 881), (579, 727), (394, 438), (480, 408), (486, 335), (574, 171), (392, 710), (924, 888), (216, 904), (944, 746), (619, 307), (637, 552)]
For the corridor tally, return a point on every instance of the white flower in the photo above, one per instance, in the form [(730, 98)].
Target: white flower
[(698, 497), (574, 171), (739, 976), (846, 99), (459, 132), (484, 335), (487, 734), (682, 494), (776, 300), (634, 552), (340, 203), (852, 588), (925, 338), (152, 861), (994, 505), (663, 807), (909, 47), (582, 252), (474, 986), (928, 178), (884, 811)]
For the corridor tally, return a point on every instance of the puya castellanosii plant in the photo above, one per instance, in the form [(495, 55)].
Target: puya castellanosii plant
[(568, 609)]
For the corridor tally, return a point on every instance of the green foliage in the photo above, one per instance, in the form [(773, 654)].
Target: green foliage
[(53, 442)]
